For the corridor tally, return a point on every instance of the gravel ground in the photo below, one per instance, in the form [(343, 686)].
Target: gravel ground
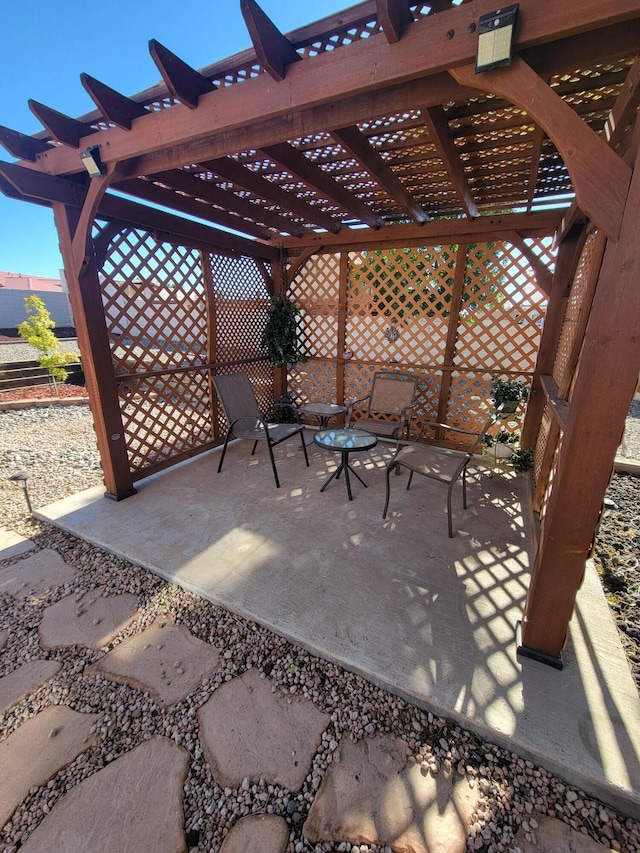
[(57, 445)]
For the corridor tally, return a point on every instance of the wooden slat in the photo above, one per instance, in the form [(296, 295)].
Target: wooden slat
[(394, 17), (61, 127), (115, 107), (183, 82), (272, 48), (243, 177), (313, 175), (600, 178), (210, 192), (355, 142), (189, 206), (140, 215), (625, 107), (438, 126), (558, 407), (534, 168), (20, 145)]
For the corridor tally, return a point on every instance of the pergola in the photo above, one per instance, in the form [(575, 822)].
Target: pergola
[(423, 216)]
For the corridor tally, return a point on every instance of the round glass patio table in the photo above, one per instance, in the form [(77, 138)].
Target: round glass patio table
[(345, 441)]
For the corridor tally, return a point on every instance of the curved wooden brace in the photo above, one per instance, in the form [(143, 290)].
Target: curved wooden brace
[(600, 177)]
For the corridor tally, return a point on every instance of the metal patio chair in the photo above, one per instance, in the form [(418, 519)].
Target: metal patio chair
[(245, 421), (438, 463), (389, 405)]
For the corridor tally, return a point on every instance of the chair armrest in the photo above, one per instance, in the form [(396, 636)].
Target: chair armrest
[(350, 406), (251, 423)]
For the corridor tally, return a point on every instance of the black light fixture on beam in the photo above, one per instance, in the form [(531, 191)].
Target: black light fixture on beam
[(91, 161), (495, 37)]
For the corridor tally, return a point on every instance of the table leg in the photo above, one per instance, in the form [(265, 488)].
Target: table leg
[(334, 476)]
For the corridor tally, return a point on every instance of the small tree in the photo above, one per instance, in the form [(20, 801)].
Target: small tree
[(37, 330)]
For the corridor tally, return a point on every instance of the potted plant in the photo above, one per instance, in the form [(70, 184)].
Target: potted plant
[(508, 393), (522, 460), (502, 443), (280, 335)]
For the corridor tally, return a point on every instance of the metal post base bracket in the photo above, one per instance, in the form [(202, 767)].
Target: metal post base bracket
[(532, 654)]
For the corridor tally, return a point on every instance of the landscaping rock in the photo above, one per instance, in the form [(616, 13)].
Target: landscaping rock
[(248, 731), (135, 803), (374, 797)]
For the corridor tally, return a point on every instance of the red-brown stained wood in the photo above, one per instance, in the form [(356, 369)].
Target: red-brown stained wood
[(272, 48), (183, 82), (114, 106), (438, 127)]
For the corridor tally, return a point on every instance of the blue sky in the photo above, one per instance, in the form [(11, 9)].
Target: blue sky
[(47, 45)]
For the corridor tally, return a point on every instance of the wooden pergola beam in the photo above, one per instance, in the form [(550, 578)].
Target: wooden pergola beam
[(436, 123), (33, 185), (394, 16), (357, 144), (293, 160), (625, 107), (456, 230), (22, 146), (189, 206), (274, 50), (243, 177), (152, 219), (61, 128), (600, 178), (115, 107), (536, 153), (358, 69), (183, 82), (227, 201)]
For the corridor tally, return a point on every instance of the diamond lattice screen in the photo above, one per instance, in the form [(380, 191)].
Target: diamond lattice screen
[(579, 301), (155, 313), (316, 292), (399, 303)]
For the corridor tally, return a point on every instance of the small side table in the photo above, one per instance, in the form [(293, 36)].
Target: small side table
[(345, 441), (323, 411)]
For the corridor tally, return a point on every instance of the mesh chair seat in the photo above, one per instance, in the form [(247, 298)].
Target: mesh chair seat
[(245, 421)]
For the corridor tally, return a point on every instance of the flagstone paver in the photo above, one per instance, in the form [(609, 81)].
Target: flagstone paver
[(36, 575), (259, 833), (374, 797), (135, 803), (91, 619), (554, 836), (12, 544), (248, 731), (38, 749), (24, 680), (165, 659)]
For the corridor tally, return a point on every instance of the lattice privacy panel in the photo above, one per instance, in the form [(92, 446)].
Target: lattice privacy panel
[(578, 305), (399, 304), (316, 292), (502, 311), (544, 476), (241, 306), (313, 381), (161, 338)]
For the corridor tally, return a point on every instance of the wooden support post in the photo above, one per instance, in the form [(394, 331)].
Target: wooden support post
[(566, 265), (602, 392), (281, 286), (342, 325), (452, 331), (88, 315), (212, 339)]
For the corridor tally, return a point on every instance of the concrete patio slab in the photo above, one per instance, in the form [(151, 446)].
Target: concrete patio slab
[(13, 545), (431, 618)]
